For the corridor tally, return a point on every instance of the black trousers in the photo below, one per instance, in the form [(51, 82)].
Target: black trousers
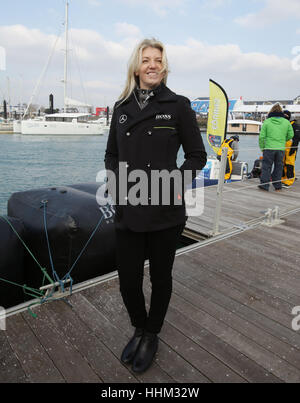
[(133, 248), (272, 157)]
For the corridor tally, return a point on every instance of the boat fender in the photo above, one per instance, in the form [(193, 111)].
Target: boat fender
[(11, 262)]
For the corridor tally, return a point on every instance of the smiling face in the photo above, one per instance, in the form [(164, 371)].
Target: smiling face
[(150, 72)]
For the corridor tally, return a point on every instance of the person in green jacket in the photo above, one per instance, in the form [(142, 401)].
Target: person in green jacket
[(275, 132)]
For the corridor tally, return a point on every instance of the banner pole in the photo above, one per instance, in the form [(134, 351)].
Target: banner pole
[(216, 223)]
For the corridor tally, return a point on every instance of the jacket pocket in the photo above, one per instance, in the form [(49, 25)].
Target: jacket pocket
[(165, 129)]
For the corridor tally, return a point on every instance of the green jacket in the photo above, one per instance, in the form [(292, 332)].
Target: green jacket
[(275, 132)]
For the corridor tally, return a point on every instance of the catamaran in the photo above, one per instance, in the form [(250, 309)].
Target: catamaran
[(66, 123)]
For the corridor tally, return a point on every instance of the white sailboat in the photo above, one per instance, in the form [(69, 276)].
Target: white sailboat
[(63, 124), (66, 123)]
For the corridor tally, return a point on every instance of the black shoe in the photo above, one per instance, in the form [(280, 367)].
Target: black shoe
[(131, 348), (262, 188), (145, 353)]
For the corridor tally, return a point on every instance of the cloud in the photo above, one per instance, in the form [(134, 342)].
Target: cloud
[(103, 85), (94, 3), (254, 75), (215, 3), (273, 12), (159, 7), (103, 62), (125, 30)]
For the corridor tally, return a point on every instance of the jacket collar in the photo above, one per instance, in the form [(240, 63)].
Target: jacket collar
[(135, 115), (276, 115), (162, 94)]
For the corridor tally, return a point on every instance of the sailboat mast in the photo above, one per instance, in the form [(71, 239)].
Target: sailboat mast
[(66, 54)]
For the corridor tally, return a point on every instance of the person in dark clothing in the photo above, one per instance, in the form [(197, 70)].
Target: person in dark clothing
[(232, 153), (289, 160), (149, 124), (257, 168)]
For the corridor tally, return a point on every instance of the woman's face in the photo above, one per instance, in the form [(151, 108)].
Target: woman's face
[(149, 73)]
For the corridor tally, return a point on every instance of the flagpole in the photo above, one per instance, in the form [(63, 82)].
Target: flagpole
[(66, 55)]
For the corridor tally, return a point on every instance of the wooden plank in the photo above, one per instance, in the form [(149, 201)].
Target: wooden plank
[(67, 359), (188, 301), (270, 249), (103, 362), (177, 338), (281, 239), (10, 367), (34, 360), (278, 272), (237, 274), (112, 336), (224, 308), (248, 202), (167, 359), (252, 304), (242, 267), (233, 359)]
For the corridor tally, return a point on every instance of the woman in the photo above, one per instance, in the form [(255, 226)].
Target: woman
[(275, 132), (149, 124)]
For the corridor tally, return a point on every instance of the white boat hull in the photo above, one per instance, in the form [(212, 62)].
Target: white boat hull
[(32, 127), (17, 126)]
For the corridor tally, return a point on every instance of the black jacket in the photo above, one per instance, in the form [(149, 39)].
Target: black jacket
[(149, 139), (296, 138)]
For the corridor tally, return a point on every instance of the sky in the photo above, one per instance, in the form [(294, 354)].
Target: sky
[(252, 48)]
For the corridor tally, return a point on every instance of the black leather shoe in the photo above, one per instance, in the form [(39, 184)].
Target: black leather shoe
[(145, 353), (131, 348)]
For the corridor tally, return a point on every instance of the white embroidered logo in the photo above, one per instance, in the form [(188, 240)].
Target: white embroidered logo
[(163, 117), (123, 119)]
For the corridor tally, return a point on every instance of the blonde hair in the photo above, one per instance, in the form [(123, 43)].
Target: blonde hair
[(276, 108), (135, 62)]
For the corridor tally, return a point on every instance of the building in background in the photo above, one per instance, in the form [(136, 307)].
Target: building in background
[(238, 108)]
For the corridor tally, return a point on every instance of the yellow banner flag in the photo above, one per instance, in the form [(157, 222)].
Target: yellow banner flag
[(217, 115)]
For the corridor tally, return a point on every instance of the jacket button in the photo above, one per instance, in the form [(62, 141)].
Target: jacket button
[(128, 134), (148, 165), (149, 133)]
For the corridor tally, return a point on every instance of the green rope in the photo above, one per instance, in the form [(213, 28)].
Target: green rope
[(33, 291), (37, 293), (44, 271)]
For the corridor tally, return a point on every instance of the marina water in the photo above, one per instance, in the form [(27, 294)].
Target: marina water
[(30, 162)]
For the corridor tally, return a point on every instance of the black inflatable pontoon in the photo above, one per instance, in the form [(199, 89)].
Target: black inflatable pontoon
[(71, 214), (11, 262)]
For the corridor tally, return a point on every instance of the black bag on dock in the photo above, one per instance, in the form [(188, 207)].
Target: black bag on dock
[(71, 213), (11, 262)]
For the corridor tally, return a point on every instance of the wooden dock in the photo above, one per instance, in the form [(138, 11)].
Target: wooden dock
[(243, 204), (229, 320)]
